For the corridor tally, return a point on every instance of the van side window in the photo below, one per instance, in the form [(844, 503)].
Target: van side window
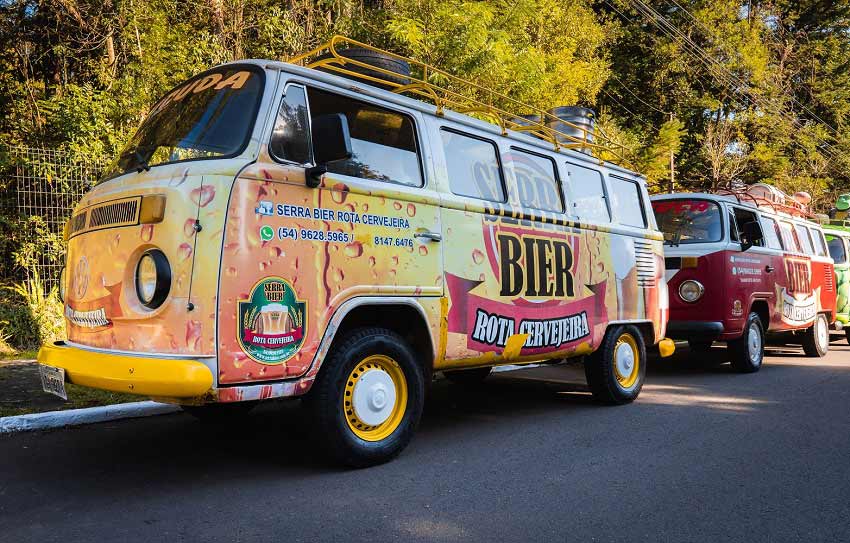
[(743, 218), (473, 166), (586, 191), (771, 233), (537, 180), (805, 239), (290, 139), (837, 250), (820, 245), (383, 141), (789, 237), (733, 228), (627, 202)]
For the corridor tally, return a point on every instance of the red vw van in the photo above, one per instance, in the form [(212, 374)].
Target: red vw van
[(744, 264)]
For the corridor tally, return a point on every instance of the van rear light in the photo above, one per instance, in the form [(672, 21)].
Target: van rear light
[(690, 291)]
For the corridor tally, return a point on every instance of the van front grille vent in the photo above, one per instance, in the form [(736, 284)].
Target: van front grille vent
[(121, 213), (78, 222)]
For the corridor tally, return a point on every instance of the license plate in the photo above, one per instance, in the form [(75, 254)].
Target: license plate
[(53, 380)]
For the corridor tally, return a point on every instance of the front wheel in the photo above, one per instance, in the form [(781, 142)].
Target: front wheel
[(816, 337), (616, 370), (747, 352), (368, 398)]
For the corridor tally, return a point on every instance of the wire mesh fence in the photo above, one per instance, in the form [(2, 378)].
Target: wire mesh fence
[(47, 184)]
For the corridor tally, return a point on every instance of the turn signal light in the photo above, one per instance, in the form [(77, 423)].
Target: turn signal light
[(152, 209), (689, 262)]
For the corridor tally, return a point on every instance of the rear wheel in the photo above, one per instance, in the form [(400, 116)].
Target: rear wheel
[(469, 377), (747, 352), (616, 370), (368, 398), (816, 337)]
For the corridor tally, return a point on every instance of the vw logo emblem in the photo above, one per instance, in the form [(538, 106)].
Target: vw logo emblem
[(81, 278)]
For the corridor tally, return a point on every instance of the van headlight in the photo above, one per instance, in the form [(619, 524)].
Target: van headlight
[(153, 279), (691, 291)]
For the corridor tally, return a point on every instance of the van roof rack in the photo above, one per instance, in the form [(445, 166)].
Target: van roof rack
[(422, 84), (782, 203)]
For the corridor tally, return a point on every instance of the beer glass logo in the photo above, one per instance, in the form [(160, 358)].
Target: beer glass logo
[(272, 322)]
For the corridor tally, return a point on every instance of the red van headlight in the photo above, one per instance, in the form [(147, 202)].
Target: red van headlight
[(690, 290)]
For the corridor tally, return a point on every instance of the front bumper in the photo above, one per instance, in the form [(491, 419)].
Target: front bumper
[(699, 330), (147, 376)]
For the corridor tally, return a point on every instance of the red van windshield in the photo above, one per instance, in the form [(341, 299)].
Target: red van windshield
[(688, 220)]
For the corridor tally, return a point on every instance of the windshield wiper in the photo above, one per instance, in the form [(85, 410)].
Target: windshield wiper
[(142, 163)]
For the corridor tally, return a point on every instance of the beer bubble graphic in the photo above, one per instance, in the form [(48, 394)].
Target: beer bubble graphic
[(353, 250)]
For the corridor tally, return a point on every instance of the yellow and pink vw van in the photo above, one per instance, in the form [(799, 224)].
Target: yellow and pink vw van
[(342, 231)]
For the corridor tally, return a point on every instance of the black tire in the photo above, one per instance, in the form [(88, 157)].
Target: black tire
[(747, 352), (373, 58), (471, 377), (847, 334), (331, 410), (601, 371), (220, 413), (700, 346), (816, 337)]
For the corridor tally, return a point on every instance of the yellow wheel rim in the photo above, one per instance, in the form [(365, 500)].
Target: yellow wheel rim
[(626, 361), (375, 398)]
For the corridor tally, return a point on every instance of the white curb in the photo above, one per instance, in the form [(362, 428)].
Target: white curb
[(88, 415)]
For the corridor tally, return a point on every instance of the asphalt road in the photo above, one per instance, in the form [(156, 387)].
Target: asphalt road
[(703, 455)]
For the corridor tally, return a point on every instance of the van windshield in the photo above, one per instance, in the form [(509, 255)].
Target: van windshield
[(688, 220), (209, 116)]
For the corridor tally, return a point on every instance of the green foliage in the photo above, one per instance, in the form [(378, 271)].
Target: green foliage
[(81, 75), (28, 316)]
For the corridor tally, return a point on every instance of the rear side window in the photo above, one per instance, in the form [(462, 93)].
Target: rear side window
[(586, 192), (805, 239), (627, 202), (820, 246), (383, 141), (537, 180), (473, 166), (837, 249), (789, 237), (771, 233)]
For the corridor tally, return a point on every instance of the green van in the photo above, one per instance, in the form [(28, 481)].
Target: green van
[(838, 240)]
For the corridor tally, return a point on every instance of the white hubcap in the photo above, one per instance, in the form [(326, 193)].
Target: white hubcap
[(822, 333), (374, 397), (625, 360), (754, 342)]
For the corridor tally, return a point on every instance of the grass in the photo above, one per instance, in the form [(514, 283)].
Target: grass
[(34, 398), (19, 355)]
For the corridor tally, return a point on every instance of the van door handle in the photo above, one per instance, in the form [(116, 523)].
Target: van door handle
[(428, 235), (769, 268)]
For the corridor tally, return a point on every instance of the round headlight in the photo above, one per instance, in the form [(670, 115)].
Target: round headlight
[(153, 279), (691, 291), (62, 286)]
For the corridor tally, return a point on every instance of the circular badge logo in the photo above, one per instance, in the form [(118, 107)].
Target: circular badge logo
[(272, 322), (81, 277)]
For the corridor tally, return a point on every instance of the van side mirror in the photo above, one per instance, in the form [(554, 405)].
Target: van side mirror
[(331, 142), (751, 235)]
